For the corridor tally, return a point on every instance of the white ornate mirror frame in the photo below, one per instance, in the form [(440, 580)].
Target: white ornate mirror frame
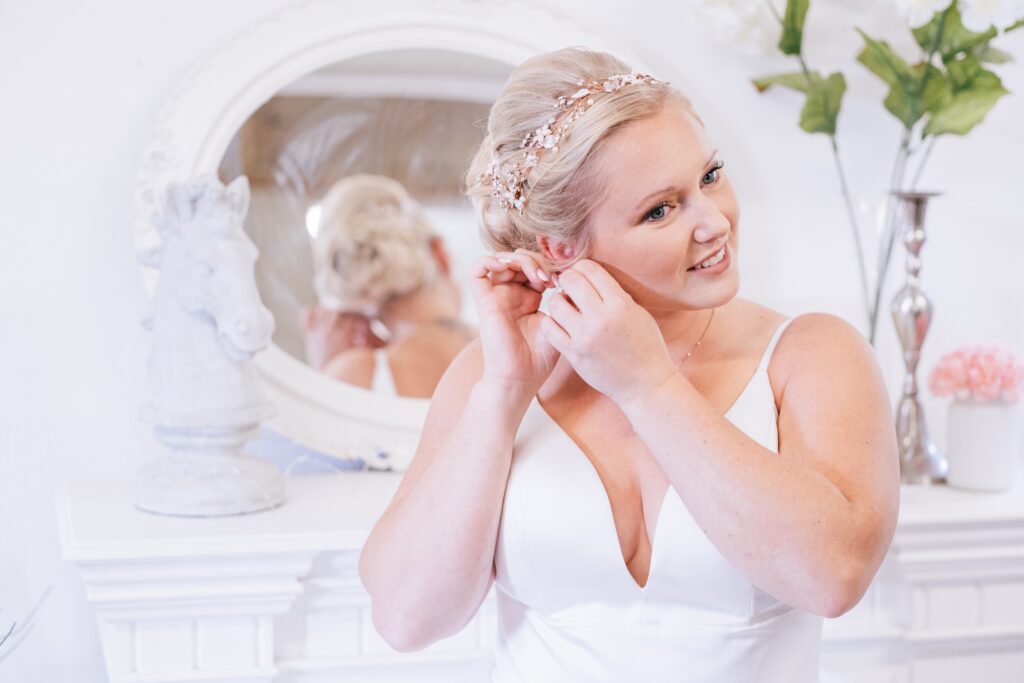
[(213, 101)]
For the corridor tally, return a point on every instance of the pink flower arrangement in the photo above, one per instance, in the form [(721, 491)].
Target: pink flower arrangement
[(979, 371)]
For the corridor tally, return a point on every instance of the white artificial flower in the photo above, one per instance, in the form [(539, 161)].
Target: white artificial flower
[(920, 12), (748, 25), (980, 15)]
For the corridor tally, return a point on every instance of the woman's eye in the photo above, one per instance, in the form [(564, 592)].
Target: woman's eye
[(657, 213), (712, 175)]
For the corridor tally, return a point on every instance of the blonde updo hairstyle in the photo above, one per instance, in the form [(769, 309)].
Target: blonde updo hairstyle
[(562, 188), (373, 245)]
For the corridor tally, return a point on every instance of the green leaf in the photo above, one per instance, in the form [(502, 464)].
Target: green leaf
[(908, 106), (938, 89), (1015, 26), (821, 110), (913, 91), (987, 53), (968, 107), (946, 34), (963, 71), (796, 81), (883, 61), (793, 26)]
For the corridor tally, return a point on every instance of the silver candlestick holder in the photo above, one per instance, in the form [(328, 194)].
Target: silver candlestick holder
[(921, 462)]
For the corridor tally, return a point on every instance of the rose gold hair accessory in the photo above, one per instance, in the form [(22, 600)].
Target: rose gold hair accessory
[(510, 181)]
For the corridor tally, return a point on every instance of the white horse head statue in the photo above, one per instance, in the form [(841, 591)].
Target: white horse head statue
[(207, 317)]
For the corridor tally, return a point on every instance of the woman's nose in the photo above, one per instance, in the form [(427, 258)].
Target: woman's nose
[(710, 223)]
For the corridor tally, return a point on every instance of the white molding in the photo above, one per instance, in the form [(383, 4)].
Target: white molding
[(209, 105), (927, 610), (966, 641), (357, 85)]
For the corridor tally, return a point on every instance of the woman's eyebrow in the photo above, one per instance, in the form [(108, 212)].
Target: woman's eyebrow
[(640, 205)]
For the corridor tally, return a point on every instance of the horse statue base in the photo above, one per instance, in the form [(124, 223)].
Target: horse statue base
[(212, 477)]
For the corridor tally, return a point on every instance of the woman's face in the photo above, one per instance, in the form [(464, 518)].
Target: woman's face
[(667, 206)]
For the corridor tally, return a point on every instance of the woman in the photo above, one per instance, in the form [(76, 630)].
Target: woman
[(665, 482), (376, 258)]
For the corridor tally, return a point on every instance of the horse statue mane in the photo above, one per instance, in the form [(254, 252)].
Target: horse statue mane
[(207, 321)]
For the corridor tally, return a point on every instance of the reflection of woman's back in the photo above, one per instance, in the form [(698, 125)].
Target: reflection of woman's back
[(376, 257)]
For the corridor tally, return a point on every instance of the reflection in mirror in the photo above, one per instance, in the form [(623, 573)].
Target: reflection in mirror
[(365, 238), (376, 259)]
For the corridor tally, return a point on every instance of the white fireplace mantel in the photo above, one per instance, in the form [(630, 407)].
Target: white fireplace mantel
[(275, 596)]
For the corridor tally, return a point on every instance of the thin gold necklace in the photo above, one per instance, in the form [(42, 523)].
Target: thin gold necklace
[(699, 339)]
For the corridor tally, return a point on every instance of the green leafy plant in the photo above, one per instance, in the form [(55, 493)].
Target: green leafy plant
[(948, 90)]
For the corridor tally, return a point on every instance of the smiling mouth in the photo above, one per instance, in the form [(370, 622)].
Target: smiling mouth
[(712, 262)]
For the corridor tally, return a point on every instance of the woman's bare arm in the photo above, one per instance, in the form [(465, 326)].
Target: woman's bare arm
[(812, 523), (429, 561)]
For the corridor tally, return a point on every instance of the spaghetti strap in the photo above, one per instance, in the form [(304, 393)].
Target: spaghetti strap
[(383, 380), (766, 358)]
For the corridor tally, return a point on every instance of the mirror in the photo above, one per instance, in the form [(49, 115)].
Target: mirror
[(374, 127), (454, 56)]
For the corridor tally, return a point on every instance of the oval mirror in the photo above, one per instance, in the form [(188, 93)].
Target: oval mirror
[(308, 98)]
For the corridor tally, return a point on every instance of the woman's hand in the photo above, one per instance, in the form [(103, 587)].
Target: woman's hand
[(327, 333), (507, 289), (613, 343)]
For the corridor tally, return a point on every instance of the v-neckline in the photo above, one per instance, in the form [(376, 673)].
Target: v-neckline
[(658, 521), (622, 563)]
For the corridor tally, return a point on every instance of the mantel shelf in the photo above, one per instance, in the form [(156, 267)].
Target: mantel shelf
[(336, 512)]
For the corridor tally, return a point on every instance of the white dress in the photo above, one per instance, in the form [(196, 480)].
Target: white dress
[(569, 610), (383, 381)]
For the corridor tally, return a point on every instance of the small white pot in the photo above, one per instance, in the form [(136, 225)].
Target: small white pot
[(983, 444)]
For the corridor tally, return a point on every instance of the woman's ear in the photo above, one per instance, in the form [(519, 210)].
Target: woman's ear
[(555, 251), (440, 254)]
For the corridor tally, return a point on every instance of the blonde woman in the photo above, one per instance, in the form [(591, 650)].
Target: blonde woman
[(376, 258), (663, 482)]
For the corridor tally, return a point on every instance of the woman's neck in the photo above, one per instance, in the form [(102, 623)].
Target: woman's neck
[(427, 306)]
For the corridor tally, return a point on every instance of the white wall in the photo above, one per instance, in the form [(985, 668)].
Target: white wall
[(83, 84)]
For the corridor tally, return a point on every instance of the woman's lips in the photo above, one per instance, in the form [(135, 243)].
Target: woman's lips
[(715, 269)]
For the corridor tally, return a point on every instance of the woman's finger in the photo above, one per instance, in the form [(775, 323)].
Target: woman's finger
[(578, 286), (538, 260), (563, 312), (525, 262), (556, 335), (507, 267)]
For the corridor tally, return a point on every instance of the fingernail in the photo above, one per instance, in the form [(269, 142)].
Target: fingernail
[(504, 259), (542, 275)]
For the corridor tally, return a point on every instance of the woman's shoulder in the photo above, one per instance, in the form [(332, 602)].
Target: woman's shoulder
[(815, 342), (810, 328), (354, 366)]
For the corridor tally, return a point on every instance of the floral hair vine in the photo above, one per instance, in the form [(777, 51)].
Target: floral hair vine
[(510, 180)]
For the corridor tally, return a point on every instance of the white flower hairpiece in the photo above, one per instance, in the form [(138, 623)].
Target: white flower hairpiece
[(510, 180)]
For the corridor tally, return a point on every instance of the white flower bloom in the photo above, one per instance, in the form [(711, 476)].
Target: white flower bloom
[(920, 12), (980, 15), (748, 25)]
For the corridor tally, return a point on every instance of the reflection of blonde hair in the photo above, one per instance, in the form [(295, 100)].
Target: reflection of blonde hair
[(563, 186), (373, 244)]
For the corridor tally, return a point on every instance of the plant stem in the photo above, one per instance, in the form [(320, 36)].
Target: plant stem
[(889, 234), (854, 227), (924, 160), (896, 182), (851, 214)]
